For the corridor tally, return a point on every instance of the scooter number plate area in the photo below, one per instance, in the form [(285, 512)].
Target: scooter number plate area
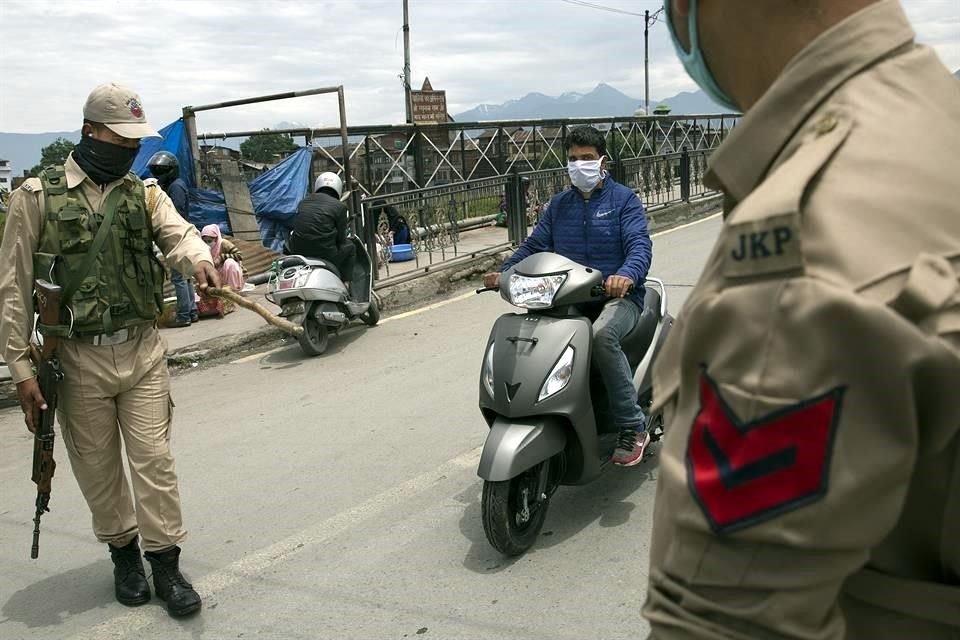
[(292, 309)]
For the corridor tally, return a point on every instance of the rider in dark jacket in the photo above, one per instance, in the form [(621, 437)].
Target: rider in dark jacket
[(166, 169), (320, 226)]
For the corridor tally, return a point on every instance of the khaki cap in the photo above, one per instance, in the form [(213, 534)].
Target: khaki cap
[(120, 109)]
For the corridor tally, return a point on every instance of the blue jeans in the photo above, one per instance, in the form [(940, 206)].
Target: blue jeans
[(614, 323), (186, 297)]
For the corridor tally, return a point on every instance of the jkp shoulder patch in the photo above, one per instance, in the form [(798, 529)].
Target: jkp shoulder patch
[(744, 473), (764, 246), (762, 235)]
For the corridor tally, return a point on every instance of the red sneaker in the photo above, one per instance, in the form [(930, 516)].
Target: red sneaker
[(630, 448)]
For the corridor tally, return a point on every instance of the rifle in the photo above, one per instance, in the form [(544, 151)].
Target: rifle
[(49, 376)]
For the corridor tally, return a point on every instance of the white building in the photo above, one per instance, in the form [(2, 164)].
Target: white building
[(5, 175)]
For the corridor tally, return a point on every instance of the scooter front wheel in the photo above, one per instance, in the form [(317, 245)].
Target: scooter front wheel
[(513, 513), (315, 337)]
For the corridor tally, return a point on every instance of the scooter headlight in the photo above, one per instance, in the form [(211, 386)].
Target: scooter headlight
[(487, 375), (535, 292), (560, 376)]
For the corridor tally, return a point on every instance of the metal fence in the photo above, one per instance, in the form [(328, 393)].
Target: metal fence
[(454, 182), (662, 161), (445, 223), (392, 159)]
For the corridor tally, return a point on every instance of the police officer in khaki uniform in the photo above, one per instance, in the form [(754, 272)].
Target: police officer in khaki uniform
[(809, 483), (90, 226)]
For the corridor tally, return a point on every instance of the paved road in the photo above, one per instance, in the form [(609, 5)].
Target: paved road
[(337, 498)]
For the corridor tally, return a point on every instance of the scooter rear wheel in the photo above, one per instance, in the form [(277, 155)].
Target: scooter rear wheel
[(511, 528), (315, 337)]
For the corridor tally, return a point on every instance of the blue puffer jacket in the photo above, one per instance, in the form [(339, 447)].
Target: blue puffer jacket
[(608, 232)]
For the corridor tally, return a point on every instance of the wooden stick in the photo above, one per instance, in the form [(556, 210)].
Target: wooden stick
[(226, 293)]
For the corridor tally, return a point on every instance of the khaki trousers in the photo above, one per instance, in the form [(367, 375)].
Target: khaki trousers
[(114, 391)]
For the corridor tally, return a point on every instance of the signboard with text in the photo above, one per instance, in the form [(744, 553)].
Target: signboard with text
[(429, 107)]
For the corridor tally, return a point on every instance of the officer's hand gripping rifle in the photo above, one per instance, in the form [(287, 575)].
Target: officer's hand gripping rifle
[(49, 376)]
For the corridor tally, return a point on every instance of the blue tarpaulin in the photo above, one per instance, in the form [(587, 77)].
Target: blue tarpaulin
[(209, 207), (206, 207), (277, 192), (174, 140)]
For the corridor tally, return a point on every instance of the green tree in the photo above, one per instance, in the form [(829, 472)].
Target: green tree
[(54, 153), (267, 147)]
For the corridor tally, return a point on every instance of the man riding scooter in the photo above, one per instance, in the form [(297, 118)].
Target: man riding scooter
[(601, 224), (320, 226), (326, 280)]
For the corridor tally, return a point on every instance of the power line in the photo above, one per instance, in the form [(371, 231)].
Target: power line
[(600, 7), (649, 20)]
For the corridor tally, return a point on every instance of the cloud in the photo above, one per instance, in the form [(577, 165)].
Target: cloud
[(183, 52)]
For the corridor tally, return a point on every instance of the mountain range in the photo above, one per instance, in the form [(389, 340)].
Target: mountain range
[(603, 100), (23, 149)]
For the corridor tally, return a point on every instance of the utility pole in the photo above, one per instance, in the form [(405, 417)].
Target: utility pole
[(647, 21), (646, 61), (406, 62)]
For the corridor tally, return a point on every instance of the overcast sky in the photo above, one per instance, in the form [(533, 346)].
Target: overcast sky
[(175, 53)]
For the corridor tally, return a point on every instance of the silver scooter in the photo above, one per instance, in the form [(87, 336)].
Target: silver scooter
[(546, 407), (311, 292)]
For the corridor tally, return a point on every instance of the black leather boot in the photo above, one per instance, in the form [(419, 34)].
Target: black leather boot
[(129, 581), (170, 584)]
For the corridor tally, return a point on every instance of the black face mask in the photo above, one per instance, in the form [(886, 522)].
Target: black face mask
[(102, 161)]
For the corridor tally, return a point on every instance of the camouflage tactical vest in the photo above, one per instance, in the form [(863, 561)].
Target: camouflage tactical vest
[(110, 281)]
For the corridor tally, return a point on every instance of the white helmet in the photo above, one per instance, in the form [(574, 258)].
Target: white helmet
[(329, 180)]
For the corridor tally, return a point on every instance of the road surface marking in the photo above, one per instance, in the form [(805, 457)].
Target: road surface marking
[(431, 307), (399, 316), (257, 356), (254, 564), (443, 303), (689, 224)]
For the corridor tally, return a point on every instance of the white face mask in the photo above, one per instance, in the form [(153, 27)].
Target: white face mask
[(585, 174)]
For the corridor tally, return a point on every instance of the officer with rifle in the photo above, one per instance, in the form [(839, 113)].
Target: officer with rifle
[(79, 241)]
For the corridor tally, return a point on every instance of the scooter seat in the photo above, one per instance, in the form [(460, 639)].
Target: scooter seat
[(295, 261), (636, 343)]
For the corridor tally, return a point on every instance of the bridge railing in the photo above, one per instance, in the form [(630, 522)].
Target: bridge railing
[(455, 183)]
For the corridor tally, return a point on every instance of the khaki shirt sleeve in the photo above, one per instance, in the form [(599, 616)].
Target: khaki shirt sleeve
[(807, 381), (20, 241), (178, 239)]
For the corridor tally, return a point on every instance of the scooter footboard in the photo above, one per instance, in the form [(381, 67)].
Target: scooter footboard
[(515, 445)]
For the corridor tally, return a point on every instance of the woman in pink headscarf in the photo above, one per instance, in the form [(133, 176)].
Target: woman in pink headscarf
[(226, 257)]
